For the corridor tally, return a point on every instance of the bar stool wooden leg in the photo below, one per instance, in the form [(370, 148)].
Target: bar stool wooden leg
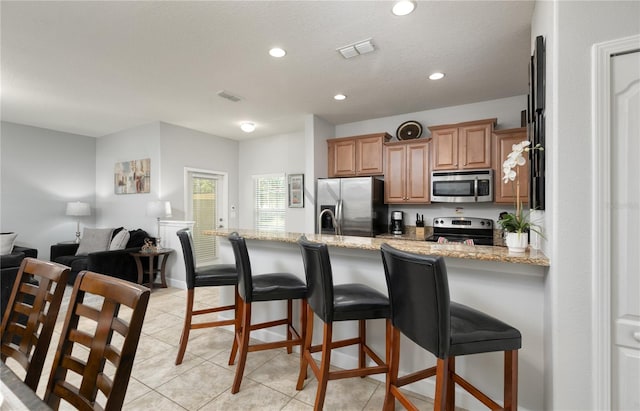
[(393, 358), (243, 343), (362, 334), (323, 378), (305, 356), (442, 380), (236, 326), (451, 385), (184, 338), (511, 380), (289, 324)]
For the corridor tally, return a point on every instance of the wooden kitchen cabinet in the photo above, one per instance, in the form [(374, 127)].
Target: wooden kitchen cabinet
[(357, 155), (503, 142), (463, 145), (406, 172)]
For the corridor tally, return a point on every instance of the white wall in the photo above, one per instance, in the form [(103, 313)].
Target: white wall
[(127, 210), (506, 110), (317, 131), (41, 171), (182, 147), (571, 29), (270, 155)]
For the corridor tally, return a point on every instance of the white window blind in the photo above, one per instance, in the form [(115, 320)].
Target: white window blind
[(270, 202), (204, 205)]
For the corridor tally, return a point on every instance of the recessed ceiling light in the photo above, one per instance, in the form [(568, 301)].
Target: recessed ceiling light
[(277, 52), (247, 126), (403, 7), (436, 76), (339, 97)]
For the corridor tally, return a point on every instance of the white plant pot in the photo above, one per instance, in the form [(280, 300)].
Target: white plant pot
[(517, 242)]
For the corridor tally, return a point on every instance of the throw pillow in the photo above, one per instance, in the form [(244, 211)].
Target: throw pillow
[(94, 239), (120, 240), (6, 242)]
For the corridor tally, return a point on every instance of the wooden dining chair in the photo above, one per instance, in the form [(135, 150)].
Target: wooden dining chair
[(99, 307), (31, 315)]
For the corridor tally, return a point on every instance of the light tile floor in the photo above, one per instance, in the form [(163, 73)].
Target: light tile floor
[(203, 380)]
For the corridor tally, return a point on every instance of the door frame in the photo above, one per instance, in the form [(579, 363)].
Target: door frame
[(224, 189), (601, 54)]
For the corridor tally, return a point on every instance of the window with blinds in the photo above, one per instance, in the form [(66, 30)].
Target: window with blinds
[(204, 205), (270, 193)]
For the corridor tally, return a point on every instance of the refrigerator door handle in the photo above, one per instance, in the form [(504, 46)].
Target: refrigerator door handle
[(339, 217)]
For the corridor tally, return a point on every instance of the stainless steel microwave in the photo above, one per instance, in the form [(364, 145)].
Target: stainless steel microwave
[(468, 186)]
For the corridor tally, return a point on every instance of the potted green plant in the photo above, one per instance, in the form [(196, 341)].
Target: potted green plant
[(517, 225)]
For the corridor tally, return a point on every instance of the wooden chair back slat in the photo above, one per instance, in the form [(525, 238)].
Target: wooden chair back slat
[(31, 315), (100, 318)]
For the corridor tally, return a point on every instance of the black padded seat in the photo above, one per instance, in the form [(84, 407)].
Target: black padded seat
[(264, 287), (421, 310), (277, 286), (343, 302), (212, 276), (358, 302)]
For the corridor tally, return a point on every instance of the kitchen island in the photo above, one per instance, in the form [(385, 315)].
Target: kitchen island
[(506, 285)]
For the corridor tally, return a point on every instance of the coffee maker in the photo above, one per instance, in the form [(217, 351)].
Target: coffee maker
[(397, 225)]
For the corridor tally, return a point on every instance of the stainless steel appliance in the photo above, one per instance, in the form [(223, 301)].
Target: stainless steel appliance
[(355, 206), (397, 223), (469, 186), (476, 231)]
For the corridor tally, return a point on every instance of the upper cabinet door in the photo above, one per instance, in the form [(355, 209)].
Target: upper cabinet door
[(506, 193), (475, 146), (356, 156), (406, 176), (445, 148), (342, 158), (369, 157), (463, 145)]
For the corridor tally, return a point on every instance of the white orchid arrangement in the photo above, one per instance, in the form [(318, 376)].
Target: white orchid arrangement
[(518, 222)]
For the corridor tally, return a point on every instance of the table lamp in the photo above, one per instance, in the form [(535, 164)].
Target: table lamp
[(159, 209), (78, 209)]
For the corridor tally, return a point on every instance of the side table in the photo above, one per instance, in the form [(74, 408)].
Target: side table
[(163, 255)]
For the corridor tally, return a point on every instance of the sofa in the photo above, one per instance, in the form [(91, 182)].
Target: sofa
[(9, 266), (115, 263)]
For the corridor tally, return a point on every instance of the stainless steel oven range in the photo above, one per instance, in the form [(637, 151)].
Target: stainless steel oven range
[(466, 230)]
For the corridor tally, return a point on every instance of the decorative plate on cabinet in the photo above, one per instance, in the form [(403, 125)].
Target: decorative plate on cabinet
[(409, 130)]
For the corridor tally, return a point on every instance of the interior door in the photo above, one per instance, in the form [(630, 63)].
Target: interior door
[(625, 226)]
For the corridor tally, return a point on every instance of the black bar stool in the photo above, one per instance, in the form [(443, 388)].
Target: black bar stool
[(264, 287), (343, 302), (419, 290), (214, 276)]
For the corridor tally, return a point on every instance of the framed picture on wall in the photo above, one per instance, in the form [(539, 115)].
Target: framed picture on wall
[(296, 190), (132, 177)]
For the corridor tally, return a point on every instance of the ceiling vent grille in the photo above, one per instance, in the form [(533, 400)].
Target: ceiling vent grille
[(228, 96), (356, 49)]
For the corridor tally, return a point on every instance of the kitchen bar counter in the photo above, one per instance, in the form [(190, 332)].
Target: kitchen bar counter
[(508, 287), (471, 252)]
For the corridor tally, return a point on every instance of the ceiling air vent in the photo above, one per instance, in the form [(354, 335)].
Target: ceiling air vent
[(228, 96)]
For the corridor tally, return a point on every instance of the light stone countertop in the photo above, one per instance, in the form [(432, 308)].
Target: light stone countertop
[(472, 252)]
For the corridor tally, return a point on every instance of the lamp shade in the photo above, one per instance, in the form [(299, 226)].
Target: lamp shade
[(77, 208), (159, 209)]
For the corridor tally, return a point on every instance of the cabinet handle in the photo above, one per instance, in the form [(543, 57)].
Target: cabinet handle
[(636, 335)]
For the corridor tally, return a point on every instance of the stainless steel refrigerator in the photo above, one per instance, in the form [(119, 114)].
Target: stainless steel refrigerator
[(356, 206)]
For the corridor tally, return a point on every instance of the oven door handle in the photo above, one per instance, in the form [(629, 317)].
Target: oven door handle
[(475, 188)]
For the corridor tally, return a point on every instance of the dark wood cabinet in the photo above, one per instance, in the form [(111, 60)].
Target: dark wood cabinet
[(503, 142), (357, 155), (463, 145), (406, 172)]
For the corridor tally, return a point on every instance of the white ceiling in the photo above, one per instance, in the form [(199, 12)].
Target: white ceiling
[(95, 68)]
